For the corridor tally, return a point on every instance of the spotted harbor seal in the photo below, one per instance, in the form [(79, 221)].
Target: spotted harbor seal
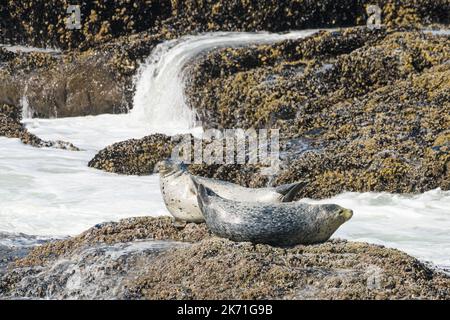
[(180, 194), (279, 224)]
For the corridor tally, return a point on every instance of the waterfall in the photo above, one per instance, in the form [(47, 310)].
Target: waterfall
[(159, 98)]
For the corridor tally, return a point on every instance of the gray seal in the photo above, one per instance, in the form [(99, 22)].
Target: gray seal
[(180, 194), (282, 224)]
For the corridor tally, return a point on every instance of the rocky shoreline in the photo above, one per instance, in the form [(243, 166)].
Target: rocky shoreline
[(373, 105), (118, 35), (148, 258)]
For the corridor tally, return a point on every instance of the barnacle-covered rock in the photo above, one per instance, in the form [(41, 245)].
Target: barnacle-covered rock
[(45, 24), (135, 156), (149, 258)]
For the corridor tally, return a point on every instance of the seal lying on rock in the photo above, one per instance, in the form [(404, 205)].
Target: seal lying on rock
[(180, 194), (282, 224)]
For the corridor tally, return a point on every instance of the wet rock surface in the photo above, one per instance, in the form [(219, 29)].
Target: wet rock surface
[(67, 84), (16, 246), (11, 127), (129, 260), (97, 271)]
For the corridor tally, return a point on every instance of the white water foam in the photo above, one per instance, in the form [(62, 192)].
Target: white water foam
[(28, 49), (52, 192)]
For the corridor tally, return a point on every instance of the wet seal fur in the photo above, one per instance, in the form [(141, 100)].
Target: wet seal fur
[(278, 224), (180, 193)]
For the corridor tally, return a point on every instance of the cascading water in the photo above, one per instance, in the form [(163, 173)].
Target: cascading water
[(49, 192), (163, 106)]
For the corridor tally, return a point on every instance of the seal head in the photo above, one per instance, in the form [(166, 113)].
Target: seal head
[(168, 167)]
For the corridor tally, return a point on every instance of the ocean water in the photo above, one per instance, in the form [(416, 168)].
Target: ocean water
[(52, 193), (417, 224)]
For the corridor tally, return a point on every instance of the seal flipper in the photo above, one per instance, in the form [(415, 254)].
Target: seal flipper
[(203, 195), (289, 191), (179, 224)]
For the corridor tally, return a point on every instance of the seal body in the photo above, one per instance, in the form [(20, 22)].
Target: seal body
[(282, 224), (180, 193)]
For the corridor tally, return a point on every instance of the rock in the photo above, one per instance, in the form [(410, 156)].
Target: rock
[(45, 24), (13, 247), (114, 38), (135, 156), (99, 271), (282, 15), (221, 269), (139, 157), (78, 88), (92, 82), (126, 230), (143, 258), (11, 127)]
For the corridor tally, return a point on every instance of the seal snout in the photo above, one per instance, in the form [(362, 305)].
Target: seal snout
[(167, 166), (346, 213), (162, 167)]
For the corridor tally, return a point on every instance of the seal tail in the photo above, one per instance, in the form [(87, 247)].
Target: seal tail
[(289, 191)]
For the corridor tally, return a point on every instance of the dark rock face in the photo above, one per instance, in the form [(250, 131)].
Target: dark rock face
[(82, 87), (143, 258), (277, 15), (116, 35), (44, 23)]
